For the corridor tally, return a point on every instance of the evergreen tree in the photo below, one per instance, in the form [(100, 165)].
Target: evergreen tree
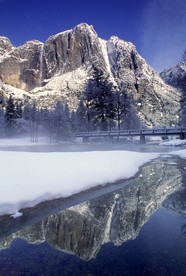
[(45, 121), (183, 110), (27, 110), (56, 121), (18, 110), (67, 118), (183, 57), (1, 122), (9, 118), (73, 121), (130, 118), (34, 122), (120, 107), (82, 117), (60, 122), (99, 100)]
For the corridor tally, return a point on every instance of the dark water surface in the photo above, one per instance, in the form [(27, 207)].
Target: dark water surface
[(138, 228), (160, 249)]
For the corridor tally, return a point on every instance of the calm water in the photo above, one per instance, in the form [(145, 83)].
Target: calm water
[(136, 228)]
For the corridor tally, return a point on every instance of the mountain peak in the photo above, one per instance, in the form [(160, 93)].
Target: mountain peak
[(82, 27), (85, 27), (5, 45), (61, 68), (118, 41)]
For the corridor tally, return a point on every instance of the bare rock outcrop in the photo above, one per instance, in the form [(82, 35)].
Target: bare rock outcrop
[(61, 68)]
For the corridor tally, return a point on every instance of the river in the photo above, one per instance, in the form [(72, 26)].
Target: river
[(134, 227)]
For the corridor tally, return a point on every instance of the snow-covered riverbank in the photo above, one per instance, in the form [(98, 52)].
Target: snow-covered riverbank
[(30, 178)]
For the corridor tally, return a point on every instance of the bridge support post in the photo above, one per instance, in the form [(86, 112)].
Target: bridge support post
[(85, 139), (142, 139), (182, 136)]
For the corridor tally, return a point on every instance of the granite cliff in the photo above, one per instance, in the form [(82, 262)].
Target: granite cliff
[(176, 77), (62, 67)]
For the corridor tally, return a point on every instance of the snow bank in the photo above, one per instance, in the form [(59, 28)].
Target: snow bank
[(30, 178), (181, 153), (173, 143)]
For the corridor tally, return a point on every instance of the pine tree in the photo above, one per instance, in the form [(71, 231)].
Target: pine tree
[(45, 121), (99, 101), (73, 121), (130, 118), (27, 110), (1, 122), (183, 57), (34, 122), (120, 107), (18, 110), (9, 118), (67, 122), (56, 121), (60, 122), (82, 118)]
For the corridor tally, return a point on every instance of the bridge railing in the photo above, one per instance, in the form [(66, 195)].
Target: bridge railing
[(112, 133)]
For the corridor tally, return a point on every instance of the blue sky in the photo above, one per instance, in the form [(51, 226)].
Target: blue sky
[(156, 27)]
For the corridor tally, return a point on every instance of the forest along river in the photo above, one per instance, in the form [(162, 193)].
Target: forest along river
[(135, 227)]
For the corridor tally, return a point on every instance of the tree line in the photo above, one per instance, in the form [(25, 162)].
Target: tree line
[(101, 107), (104, 107)]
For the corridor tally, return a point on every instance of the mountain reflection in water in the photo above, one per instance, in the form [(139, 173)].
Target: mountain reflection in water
[(115, 217)]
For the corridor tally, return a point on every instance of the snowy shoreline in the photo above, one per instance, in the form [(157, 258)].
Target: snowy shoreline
[(31, 178), (35, 173)]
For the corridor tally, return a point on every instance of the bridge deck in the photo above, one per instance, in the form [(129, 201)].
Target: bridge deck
[(126, 133)]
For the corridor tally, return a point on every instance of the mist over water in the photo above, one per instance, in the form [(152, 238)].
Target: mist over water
[(43, 144)]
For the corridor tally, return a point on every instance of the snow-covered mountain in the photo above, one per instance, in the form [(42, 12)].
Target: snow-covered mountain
[(176, 77), (61, 68)]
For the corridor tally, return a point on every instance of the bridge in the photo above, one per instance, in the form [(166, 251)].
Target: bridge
[(141, 133)]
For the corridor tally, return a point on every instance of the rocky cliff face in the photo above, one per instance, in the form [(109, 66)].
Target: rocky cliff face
[(62, 67), (27, 66), (5, 45), (176, 77), (155, 99), (67, 51), (20, 67)]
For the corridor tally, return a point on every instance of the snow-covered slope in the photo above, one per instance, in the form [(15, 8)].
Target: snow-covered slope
[(157, 102), (62, 66), (176, 77), (7, 90), (66, 87)]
